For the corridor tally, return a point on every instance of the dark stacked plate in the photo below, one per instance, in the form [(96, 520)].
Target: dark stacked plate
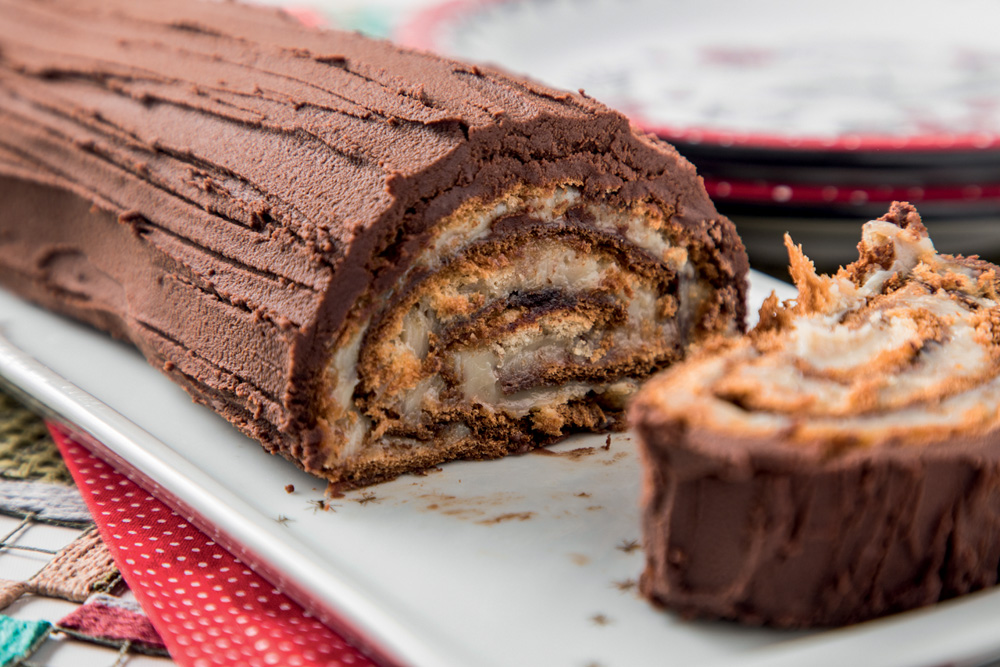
[(803, 117), (820, 196)]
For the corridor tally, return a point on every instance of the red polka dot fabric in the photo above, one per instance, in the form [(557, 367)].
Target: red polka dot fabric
[(209, 608)]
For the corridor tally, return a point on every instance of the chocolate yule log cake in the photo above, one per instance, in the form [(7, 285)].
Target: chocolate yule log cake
[(372, 260), (842, 460)]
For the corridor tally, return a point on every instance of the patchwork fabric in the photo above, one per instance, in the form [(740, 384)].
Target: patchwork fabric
[(26, 450), (80, 569), (109, 620), (48, 501), (19, 639)]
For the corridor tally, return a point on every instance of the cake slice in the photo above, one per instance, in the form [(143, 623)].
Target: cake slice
[(841, 461), (373, 260)]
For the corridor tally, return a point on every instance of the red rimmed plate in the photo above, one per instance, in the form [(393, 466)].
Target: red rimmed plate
[(856, 75)]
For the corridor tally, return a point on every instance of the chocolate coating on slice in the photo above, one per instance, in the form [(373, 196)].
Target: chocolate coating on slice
[(248, 200), (842, 461)]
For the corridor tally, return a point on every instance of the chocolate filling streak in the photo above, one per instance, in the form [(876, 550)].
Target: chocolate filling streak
[(372, 260), (842, 461)]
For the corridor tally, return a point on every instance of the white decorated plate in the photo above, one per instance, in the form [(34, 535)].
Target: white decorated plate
[(521, 561), (778, 74)]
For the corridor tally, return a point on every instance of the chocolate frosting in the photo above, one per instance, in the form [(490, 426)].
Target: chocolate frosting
[(791, 540), (191, 169)]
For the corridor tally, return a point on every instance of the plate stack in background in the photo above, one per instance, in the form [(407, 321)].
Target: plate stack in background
[(821, 195), (804, 118)]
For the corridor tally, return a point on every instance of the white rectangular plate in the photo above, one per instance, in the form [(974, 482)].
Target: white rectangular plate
[(513, 562)]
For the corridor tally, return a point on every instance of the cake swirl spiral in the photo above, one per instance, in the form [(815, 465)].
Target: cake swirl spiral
[(842, 460)]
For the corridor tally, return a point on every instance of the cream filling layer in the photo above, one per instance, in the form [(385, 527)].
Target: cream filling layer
[(551, 264)]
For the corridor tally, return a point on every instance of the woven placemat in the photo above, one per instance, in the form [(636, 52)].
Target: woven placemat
[(27, 452), (33, 478), (80, 569), (20, 638)]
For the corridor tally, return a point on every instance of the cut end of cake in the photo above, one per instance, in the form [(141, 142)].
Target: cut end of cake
[(521, 321), (837, 352)]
